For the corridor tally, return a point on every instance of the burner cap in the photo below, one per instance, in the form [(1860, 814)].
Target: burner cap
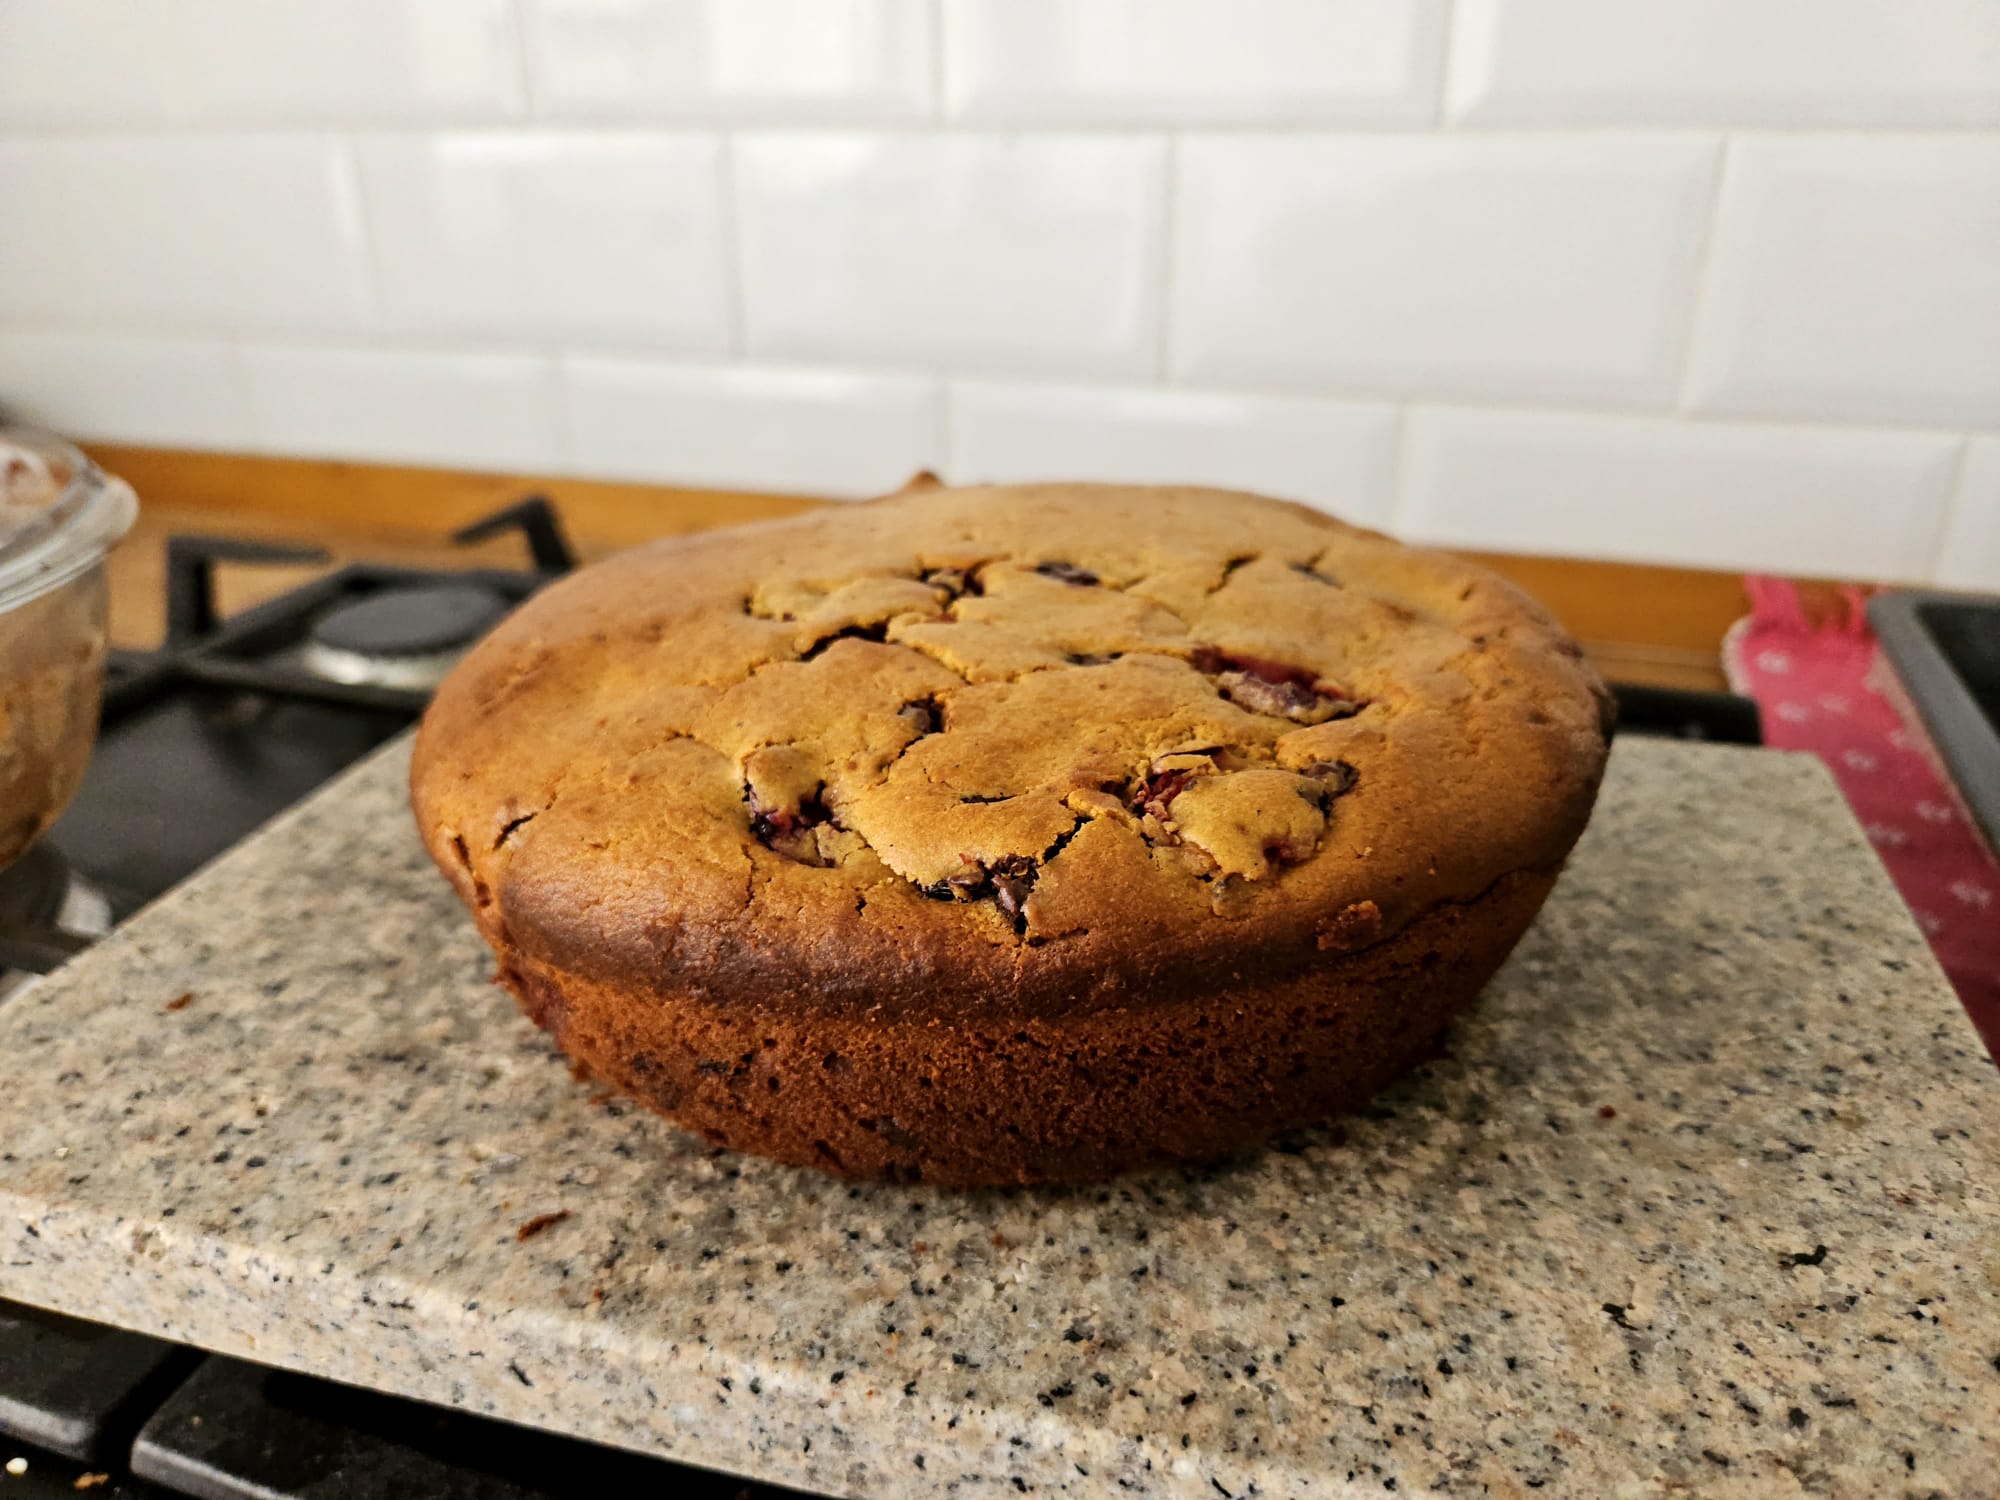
[(422, 621), (405, 638)]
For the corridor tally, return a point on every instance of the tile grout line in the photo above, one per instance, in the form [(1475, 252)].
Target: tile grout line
[(1399, 463), (1164, 294), (239, 375), (417, 341), (1332, 127), (940, 112), (524, 70), (734, 290), (566, 429), (1956, 496), (348, 154), (947, 460), (1447, 40), (353, 193), (1697, 314)]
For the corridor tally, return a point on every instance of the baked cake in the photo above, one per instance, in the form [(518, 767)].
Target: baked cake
[(1011, 833)]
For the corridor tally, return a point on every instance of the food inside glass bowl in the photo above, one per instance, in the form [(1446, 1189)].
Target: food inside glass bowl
[(59, 516)]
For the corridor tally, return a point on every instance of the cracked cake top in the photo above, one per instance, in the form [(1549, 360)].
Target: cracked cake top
[(1010, 749)]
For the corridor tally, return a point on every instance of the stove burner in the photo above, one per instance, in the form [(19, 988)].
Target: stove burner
[(401, 637)]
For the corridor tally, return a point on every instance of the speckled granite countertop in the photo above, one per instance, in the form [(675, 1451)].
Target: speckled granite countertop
[(1705, 1197)]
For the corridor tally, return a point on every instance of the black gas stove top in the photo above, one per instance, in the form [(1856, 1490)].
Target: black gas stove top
[(230, 722), (233, 720)]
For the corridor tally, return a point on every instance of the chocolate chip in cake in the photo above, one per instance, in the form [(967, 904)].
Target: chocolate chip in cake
[(968, 885), (1008, 880), (956, 581), (1156, 791), (1271, 687), (924, 714), (789, 830), (1012, 877), (1336, 778), (1068, 572)]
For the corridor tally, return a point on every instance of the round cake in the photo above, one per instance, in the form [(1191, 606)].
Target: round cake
[(1014, 833)]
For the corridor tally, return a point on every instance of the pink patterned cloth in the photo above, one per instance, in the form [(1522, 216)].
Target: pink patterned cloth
[(1824, 689)]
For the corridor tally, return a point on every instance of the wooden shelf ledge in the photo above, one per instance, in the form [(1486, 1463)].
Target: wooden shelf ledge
[(1641, 623)]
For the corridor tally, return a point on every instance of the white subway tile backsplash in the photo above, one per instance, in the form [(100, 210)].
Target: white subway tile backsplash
[(606, 236), (819, 432), (179, 393), (1856, 278), (75, 62), (211, 232), (1725, 62), (38, 269), (1969, 555), (1333, 454), (476, 411), (792, 59), (348, 61), (1516, 268), (66, 62), (986, 253), (1193, 60), (1816, 501), (1563, 275)]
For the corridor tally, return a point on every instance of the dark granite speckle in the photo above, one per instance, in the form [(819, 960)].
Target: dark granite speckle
[(1704, 1197)]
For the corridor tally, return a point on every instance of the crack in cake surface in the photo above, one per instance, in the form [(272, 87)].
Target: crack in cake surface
[(879, 612), (1025, 620), (1246, 829)]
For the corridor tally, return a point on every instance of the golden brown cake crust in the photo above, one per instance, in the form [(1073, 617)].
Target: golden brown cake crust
[(982, 756)]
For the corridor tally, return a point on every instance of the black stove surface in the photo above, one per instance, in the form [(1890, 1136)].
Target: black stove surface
[(237, 1431), (80, 1389), (223, 1429), (232, 721), (45, 1477), (182, 771), (186, 774), (202, 742)]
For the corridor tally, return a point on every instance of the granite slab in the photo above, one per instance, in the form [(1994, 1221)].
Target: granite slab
[(1703, 1198)]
